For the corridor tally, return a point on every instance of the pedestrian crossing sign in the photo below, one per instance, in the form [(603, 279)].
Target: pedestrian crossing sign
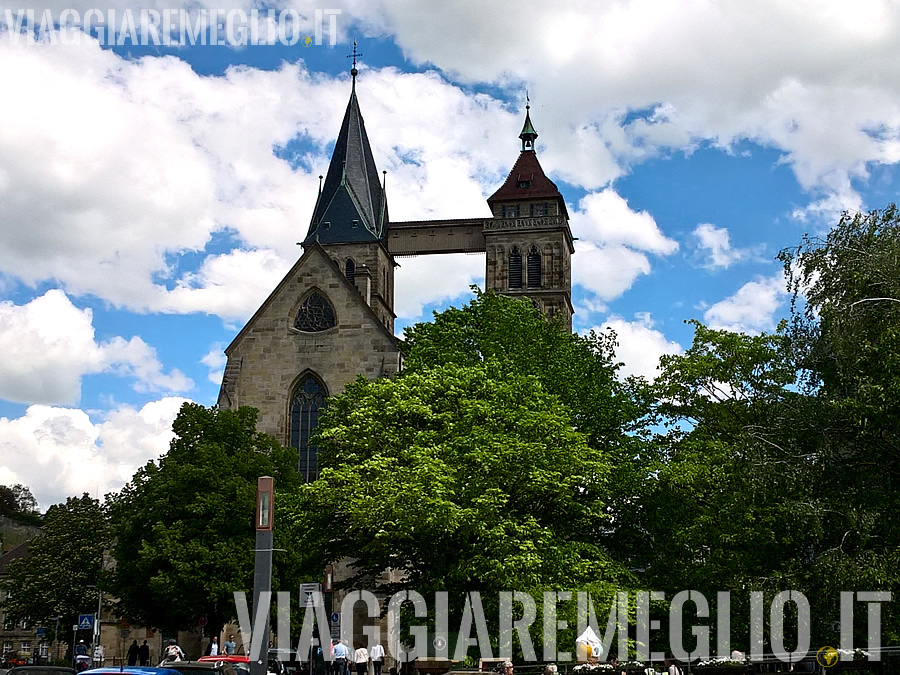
[(85, 621)]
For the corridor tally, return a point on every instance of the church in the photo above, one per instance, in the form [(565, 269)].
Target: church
[(332, 316)]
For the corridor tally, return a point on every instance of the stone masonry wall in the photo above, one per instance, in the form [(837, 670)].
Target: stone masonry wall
[(273, 355)]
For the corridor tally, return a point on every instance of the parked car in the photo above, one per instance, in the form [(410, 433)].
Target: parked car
[(41, 670), (241, 664), (217, 667), (127, 670)]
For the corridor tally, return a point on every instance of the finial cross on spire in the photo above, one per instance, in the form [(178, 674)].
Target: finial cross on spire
[(354, 55), (353, 71)]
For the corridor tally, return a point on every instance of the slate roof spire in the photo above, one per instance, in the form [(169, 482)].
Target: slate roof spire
[(351, 207)]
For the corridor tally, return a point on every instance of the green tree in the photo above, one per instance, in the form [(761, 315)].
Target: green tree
[(61, 576), (581, 370), (846, 331), (731, 509), (781, 459), (184, 526), (491, 463), (18, 503)]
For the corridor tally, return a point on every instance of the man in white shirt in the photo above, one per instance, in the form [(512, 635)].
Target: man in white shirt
[(377, 656)]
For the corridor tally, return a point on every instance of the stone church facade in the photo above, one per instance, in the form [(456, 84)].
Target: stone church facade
[(332, 316)]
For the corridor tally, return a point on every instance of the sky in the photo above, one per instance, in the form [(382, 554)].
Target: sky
[(152, 194)]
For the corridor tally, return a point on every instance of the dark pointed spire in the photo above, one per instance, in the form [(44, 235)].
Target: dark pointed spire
[(528, 134), (351, 206)]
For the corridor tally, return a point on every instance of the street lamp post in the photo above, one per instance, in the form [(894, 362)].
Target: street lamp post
[(262, 570), (56, 634)]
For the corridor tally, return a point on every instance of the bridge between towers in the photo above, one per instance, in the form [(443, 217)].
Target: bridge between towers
[(462, 235), (421, 237)]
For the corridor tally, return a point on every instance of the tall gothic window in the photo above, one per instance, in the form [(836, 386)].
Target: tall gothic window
[(307, 403), (350, 270), (515, 268), (534, 268), (315, 314)]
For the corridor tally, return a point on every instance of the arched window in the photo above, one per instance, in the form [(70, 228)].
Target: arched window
[(350, 270), (307, 403), (515, 268), (534, 268), (315, 314)]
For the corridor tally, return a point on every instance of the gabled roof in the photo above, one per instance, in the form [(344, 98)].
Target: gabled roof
[(527, 180), (20, 551), (351, 206), (313, 249)]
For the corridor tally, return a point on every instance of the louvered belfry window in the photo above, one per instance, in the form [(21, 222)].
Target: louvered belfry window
[(534, 268), (315, 314), (515, 268)]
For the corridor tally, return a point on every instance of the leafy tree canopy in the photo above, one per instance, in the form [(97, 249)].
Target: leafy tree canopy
[(17, 503), (781, 460), (184, 526), (61, 576), (489, 464)]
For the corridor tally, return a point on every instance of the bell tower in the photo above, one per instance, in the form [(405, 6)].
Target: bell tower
[(528, 241)]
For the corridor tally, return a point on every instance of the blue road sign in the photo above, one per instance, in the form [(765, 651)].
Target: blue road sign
[(41, 631), (85, 621)]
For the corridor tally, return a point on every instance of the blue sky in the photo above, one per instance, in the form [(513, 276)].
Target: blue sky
[(152, 196)]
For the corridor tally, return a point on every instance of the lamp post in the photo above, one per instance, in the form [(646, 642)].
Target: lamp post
[(56, 634), (262, 570)]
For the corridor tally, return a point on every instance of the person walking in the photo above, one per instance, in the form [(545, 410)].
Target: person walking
[(212, 649), (377, 656), (341, 656), (361, 659), (230, 646), (144, 654), (671, 666), (133, 652)]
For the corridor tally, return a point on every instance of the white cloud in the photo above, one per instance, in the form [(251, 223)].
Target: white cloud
[(605, 217), (78, 209), (715, 244), (60, 452), (427, 279), (640, 345), (215, 360), (49, 345), (613, 243), (751, 309), (817, 80)]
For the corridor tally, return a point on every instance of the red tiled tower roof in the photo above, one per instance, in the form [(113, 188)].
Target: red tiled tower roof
[(527, 180)]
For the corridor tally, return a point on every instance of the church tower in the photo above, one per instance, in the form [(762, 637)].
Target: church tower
[(331, 318), (350, 219), (528, 242)]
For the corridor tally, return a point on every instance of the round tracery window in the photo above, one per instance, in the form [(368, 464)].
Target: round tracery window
[(315, 314)]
